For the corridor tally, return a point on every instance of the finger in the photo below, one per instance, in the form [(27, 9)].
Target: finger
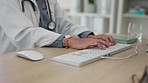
[(111, 40), (106, 38), (106, 44), (94, 43), (100, 46), (101, 36)]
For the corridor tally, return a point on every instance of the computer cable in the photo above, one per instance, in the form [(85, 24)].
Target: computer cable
[(131, 55)]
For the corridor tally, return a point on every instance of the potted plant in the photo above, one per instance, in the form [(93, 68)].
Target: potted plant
[(91, 2), (91, 6)]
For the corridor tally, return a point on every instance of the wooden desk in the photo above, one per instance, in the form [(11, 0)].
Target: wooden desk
[(14, 69)]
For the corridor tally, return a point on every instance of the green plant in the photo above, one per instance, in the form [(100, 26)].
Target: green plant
[(91, 1)]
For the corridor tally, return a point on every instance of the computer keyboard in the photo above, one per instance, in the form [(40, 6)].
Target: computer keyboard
[(86, 56)]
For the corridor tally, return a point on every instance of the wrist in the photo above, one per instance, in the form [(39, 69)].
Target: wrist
[(66, 41), (90, 36)]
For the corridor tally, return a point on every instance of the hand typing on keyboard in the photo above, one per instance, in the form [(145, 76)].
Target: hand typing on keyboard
[(107, 38), (101, 41)]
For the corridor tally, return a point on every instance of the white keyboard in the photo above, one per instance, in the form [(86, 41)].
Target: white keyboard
[(86, 56)]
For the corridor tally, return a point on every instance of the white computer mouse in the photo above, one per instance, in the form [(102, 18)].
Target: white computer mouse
[(31, 55)]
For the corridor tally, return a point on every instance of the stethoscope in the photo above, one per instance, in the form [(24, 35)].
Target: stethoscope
[(51, 25)]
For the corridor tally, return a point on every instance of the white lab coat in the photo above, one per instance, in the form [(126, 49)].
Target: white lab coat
[(20, 30)]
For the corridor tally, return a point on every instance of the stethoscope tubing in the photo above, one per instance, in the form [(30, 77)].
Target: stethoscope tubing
[(32, 4), (51, 22), (49, 10)]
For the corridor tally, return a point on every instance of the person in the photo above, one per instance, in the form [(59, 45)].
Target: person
[(26, 24)]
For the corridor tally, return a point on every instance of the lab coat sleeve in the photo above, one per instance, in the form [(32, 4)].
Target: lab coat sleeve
[(66, 26), (20, 30)]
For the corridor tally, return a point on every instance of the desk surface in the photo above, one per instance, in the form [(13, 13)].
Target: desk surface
[(14, 69)]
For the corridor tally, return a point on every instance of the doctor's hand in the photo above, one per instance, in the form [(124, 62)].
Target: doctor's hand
[(84, 43), (109, 39)]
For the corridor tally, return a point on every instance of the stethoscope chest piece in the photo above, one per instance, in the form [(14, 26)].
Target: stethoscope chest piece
[(51, 25)]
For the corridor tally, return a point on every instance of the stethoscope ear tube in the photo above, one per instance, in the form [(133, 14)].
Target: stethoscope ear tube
[(32, 4)]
